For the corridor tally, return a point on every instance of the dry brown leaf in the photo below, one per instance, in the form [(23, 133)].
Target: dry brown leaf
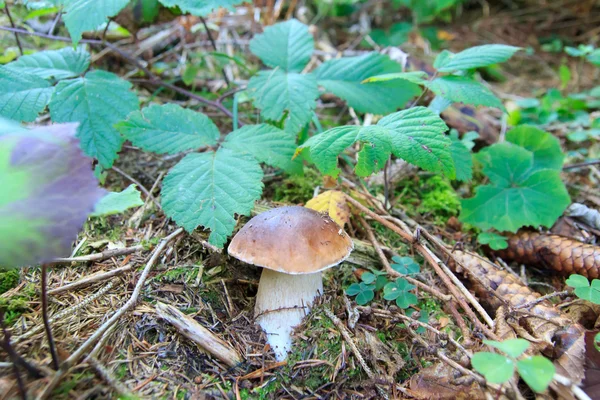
[(333, 202), (438, 382)]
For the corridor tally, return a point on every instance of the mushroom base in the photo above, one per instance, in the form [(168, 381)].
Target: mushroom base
[(282, 301)]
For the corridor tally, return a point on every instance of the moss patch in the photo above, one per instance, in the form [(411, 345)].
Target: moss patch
[(8, 280), (297, 189)]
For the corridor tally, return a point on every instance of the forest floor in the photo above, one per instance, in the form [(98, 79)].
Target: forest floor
[(144, 355)]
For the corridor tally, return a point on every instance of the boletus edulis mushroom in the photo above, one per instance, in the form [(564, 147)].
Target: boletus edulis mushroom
[(293, 245)]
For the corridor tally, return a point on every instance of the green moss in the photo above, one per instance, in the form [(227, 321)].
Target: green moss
[(297, 189), (8, 280), (439, 198)]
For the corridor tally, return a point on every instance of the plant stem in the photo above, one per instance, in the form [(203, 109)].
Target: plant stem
[(47, 328), (13, 25), (14, 358), (214, 46)]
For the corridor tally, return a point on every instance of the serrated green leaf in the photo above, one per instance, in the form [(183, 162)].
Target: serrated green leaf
[(201, 7), (209, 188), (87, 15), (461, 89), (276, 92), (577, 281), (418, 77), (442, 58), (56, 64), (22, 96), (287, 45), (418, 137), (376, 147), (544, 146), (494, 367), (267, 144), (98, 101), (168, 128), (516, 196), (537, 372), (495, 241), (118, 202), (344, 76), (476, 57), (512, 347), (463, 160), (48, 189)]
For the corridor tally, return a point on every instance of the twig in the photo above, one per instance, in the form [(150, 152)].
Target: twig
[(76, 356), (12, 23), (142, 187), (214, 46), (13, 356), (581, 165), (390, 271), (577, 391), (100, 256), (47, 327), (88, 280), (532, 303)]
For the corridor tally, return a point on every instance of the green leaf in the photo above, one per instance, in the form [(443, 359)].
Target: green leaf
[(418, 137), (276, 92), (376, 147), (201, 7), (461, 89), (10, 126), (495, 241), (118, 202), (594, 57), (168, 129), (590, 293), (56, 64), (344, 76), (476, 57), (463, 160), (87, 15), (516, 196), (577, 281), (537, 372), (368, 277), (267, 144), (98, 101), (48, 189), (400, 291), (209, 188), (442, 58), (405, 265), (418, 77), (494, 367), (364, 293), (546, 150), (287, 45), (512, 347), (564, 73), (22, 96)]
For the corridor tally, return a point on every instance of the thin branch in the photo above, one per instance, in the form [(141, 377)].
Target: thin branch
[(581, 165), (88, 280), (47, 327), (100, 256), (13, 356), (532, 303), (214, 46), (80, 352), (13, 25)]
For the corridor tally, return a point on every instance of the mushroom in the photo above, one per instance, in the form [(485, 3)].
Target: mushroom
[(293, 245)]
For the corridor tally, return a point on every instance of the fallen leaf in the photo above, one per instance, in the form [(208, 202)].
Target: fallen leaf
[(333, 202)]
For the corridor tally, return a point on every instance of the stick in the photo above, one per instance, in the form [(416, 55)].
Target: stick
[(13, 357), (88, 280), (47, 328), (12, 23), (191, 329), (100, 256), (214, 46), (76, 356)]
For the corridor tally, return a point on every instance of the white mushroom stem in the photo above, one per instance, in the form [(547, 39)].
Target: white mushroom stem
[(282, 301)]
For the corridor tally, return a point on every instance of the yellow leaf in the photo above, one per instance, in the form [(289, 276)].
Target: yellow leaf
[(333, 203)]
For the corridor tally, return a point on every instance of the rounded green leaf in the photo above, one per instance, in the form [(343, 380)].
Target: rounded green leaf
[(577, 281), (544, 146), (118, 202), (87, 15), (537, 372), (494, 367), (168, 128), (512, 347), (495, 241), (405, 265)]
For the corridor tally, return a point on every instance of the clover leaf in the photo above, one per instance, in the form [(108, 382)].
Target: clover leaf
[(400, 291), (405, 265), (364, 293)]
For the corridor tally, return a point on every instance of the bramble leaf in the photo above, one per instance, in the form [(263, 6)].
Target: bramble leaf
[(537, 372), (209, 188), (201, 7), (97, 102), (86, 15), (280, 94), (56, 64), (267, 144), (512, 347), (118, 202), (344, 77), (461, 89), (48, 189), (418, 77), (287, 45), (22, 96), (168, 128), (494, 367), (463, 159), (517, 196), (476, 57)]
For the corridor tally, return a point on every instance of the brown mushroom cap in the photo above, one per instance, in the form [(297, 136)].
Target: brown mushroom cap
[(292, 240)]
